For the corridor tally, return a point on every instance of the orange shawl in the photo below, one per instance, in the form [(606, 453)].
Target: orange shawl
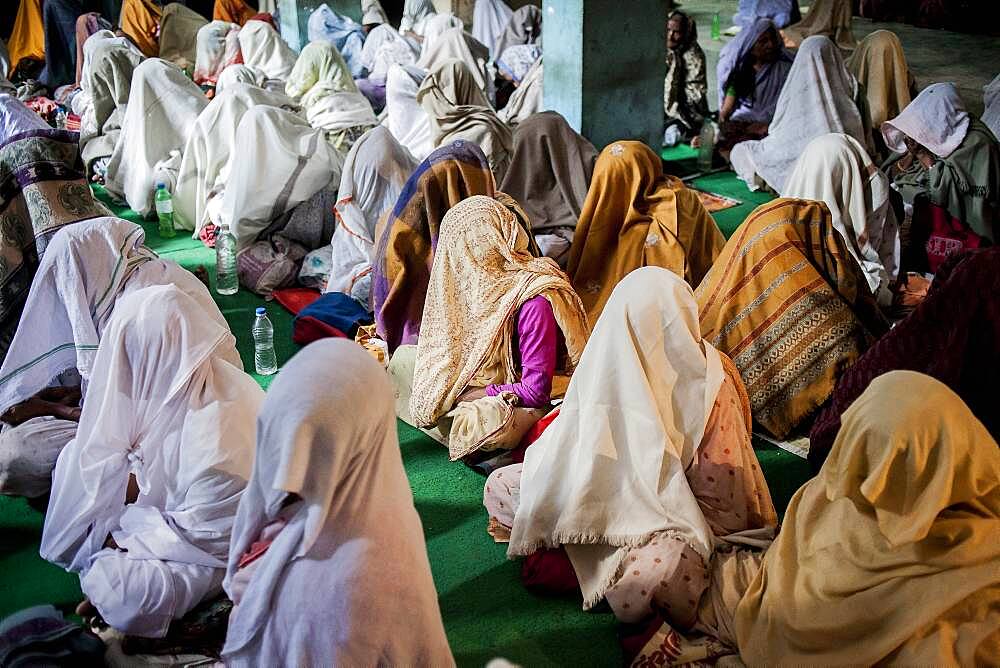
[(139, 21), (233, 11), (27, 40)]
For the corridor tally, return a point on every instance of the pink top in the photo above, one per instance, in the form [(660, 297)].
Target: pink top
[(535, 342)]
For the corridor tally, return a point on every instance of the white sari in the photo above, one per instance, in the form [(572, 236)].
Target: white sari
[(163, 106), (324, 593), (170, 405)]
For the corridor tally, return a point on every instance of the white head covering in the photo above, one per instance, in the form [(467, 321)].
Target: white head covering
[(341, 457), (218, 45), (415, 14), (991, 103), (203, 170), (405, 118), (517, 60), (238, 73), (283, 161), (264, 50), (456, 44), (489, 20), (163, 106), (836, 170), (375, 172), (106, 79), (608, 473), (936, 119), (322, 82), (372, 12), (817, 99), (435, 26), (383, 48), (343, 32), (170, 404)]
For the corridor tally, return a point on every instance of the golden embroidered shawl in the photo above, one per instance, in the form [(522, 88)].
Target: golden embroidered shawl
[(789, 305), (890, 555), (483, 273), (635, 216)]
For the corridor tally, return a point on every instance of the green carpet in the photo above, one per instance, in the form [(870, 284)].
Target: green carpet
[(486, 611)]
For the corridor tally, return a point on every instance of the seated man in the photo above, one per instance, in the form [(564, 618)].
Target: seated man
[(685, 89)]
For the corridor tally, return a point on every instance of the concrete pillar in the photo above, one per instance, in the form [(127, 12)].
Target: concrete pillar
[(604, 67), (294, 16)]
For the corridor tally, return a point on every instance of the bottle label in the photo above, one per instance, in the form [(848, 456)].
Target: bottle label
[(164, 206)]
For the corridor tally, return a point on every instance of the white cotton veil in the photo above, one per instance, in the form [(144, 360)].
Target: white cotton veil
[(936, 119), (404, 116), (489, 21), (265, 51)]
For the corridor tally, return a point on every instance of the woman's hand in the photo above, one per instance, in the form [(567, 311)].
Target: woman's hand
[(472, 395)]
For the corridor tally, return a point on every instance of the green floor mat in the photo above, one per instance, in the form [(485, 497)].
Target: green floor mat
[(486, 611)]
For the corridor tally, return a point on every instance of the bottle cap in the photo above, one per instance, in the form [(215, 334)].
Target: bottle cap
[(160, 185), (261, 310)]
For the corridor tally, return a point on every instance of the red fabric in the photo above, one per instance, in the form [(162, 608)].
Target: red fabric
[(308, 329), (633, 637), (266, 18), (533, 435), (208, 234), (550, 571), (949, 236), (296, 299)]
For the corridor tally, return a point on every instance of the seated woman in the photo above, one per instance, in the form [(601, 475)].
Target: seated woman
[(178, 37), (307, 559), (322, 84), (636, 216), (405, 118), (524, 27), (834, 169), (140, 22), (45, 190), (458, 110), (144, 498), (685, 88), (853, 540), (384, 47), (108, 66), (781, 12), (991, 106), (521, 66), (375, 172), (218, 47), (751, 73), (550, 174), (486, 285), (415, 16), (880, 67), (204, 168), (453, 43), (264, 50), (790, 306), (404, 251), (952, 163), (648, 466), (829, 18), (272, 236), (342, 32), (86, 27), (820, 97), (87, 268), (163, 106), (951, 336)]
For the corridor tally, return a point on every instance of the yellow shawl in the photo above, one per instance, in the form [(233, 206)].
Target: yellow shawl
[(892, 554), (635, 216), (140, 20), (27, 40), (789, 305), (879, 65), (483, 272)]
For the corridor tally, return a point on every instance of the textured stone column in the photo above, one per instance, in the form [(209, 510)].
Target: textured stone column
[(604, 67)]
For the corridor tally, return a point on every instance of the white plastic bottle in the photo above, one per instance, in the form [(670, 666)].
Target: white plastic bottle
[(706, 147), (227, 281), (264, 360)]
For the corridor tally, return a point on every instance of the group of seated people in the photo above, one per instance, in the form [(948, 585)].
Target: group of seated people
[(568, 320)]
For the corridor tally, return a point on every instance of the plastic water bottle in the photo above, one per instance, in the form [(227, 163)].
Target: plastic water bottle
[(164, 211), (61, 119), (706, 148), (264, 359), (716, 27), (227, 281)]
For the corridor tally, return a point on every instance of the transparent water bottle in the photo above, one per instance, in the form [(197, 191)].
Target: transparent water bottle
[(716, 27), (164, 211), (61, 119), (264, 360), (706, 147), (227, 281)]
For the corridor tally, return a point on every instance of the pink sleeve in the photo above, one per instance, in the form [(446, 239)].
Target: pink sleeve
[(537, 335)]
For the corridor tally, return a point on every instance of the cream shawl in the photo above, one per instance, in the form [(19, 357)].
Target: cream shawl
[(264, 50), (482, 274), (609, 472), (218, 47), (890, 556), (405, 118), (456, 44), (836, 170), (936, 119)]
